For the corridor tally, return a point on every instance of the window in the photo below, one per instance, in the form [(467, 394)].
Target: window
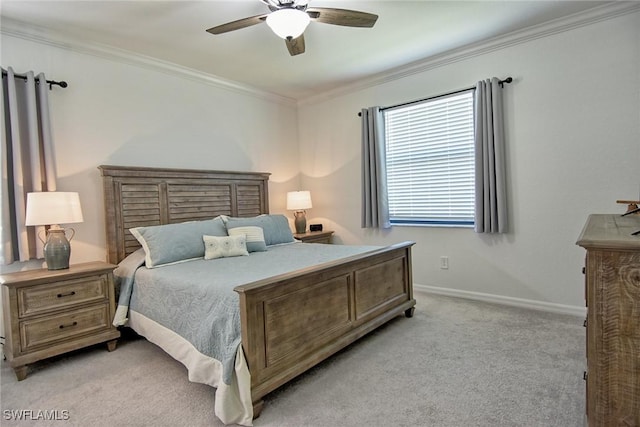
[(430, 161)]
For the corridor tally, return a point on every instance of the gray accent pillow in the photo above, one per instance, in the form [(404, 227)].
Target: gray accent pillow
[(255, 237), (275, 227), (173, 243)]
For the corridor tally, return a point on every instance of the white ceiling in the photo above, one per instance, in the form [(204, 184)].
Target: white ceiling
[(174, 31)]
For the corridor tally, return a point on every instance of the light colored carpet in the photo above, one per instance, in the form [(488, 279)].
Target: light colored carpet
[(455, 363)]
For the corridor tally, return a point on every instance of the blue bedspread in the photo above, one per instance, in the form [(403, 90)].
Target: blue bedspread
[(196, 300)]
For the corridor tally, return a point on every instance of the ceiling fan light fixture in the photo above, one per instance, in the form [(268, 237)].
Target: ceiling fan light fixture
[(288, 22)]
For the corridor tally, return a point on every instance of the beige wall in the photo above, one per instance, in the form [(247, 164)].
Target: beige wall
[(573, 129), (127, 112)]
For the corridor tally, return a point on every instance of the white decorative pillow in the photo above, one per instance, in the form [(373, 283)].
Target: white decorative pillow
[(255, 237), (223, 247)]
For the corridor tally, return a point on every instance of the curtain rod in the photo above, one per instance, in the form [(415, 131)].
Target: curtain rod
[(62, 84), (500, 82)]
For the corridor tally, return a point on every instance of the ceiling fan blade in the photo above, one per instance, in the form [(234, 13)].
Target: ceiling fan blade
[(345, 17), (236, 25), (295, 46), (273, 3)]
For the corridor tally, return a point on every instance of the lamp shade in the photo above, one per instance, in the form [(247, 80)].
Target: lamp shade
[(288, 22), (298, 200), (53, 207)]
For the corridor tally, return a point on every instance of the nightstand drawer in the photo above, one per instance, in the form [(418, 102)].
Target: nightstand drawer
[(40, 299), (47, 330)]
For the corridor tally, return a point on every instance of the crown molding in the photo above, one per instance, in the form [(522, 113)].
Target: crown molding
[(40, 35), (556, 26)]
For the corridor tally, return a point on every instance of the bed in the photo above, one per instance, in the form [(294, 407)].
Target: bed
[(358, 291)]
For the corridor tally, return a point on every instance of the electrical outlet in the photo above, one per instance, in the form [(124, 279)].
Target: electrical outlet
[(444, 262)]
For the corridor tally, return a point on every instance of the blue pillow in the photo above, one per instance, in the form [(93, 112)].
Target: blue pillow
[(275, 227), (173, 243)]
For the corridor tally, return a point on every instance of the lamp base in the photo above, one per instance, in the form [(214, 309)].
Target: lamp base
[(57, 250), (300, 222)]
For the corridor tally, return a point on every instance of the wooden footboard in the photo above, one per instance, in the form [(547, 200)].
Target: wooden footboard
[(296, 320)]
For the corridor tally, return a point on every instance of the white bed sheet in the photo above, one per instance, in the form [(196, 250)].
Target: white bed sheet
[(232, 401)]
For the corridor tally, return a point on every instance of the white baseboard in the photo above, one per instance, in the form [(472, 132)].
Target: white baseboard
[(499, 299)]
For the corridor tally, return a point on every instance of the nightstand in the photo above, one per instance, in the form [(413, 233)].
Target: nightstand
[(51, 312), (315, 236)]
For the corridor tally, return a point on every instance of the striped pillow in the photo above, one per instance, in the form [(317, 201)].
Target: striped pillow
[(275, 227), (255, 237)]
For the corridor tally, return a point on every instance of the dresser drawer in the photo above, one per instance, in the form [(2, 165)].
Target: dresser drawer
[(40, 299), (47, 330)]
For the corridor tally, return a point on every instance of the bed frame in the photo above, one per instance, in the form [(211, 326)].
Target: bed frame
[(289, 322)]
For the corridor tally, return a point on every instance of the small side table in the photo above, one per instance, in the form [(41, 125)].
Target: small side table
[(315, 236), (51, 312)]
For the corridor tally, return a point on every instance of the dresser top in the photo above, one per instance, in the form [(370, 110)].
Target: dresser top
[(609, 231)]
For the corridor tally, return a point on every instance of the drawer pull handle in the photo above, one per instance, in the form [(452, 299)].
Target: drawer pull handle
[(585, 323), (584, 375), (68, 326), (68, 294)]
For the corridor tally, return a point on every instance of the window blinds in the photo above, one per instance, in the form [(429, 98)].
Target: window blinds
[(430, 160)]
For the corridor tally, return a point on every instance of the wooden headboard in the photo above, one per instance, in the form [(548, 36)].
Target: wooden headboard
[(142, 196)]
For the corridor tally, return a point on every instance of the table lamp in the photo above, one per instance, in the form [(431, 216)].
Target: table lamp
[(54, 208), (298, 201)]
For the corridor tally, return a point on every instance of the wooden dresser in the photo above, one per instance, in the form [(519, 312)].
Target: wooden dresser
[(612, 292), (50, 312)]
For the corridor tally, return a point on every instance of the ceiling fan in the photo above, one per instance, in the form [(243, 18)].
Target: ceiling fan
[(289, 18)]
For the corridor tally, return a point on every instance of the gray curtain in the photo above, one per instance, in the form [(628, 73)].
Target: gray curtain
[(491, 199), (28, 162), (375, 204)]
